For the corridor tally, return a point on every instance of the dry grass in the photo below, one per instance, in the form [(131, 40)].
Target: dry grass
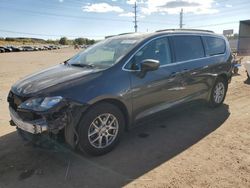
[(16, 43)]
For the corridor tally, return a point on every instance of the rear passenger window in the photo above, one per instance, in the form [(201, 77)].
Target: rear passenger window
[(215, 45), (188, 47)]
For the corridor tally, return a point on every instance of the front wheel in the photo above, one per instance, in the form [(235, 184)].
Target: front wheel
[(218, 92), (100, 129)]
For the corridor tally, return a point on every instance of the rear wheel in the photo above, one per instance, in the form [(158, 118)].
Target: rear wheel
[(218, 92), (100, 129)]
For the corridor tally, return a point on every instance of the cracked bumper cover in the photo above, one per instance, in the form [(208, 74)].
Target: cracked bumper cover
[(34, 127), (51, 121)]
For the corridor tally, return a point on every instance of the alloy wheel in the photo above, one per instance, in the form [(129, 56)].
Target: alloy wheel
[(219, 92), (103, 130)]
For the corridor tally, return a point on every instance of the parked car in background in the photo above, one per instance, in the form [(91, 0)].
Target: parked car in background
[(47, 47), (53, 47), (20, 48), (41, 48), (7, 49), (15, 49), (97, 94), (35, 48), (28, 48), (2, 49)]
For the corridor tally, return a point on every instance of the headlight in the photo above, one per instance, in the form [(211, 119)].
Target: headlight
[(40, 104)]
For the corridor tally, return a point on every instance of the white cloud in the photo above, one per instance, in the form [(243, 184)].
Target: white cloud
[(101, 8), (147, 7), (128, 14), (174, 6), (131, 14), (132, 2), (229, 6), (60, 1)]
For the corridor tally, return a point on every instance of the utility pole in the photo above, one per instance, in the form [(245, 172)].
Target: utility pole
[(135, 21), (181, 19)]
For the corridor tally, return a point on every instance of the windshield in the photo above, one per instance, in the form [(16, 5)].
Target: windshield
[(105, 53)]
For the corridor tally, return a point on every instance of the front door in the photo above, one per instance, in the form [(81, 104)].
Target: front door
[(159, 89)]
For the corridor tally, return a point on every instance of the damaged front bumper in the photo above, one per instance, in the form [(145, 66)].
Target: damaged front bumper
[(35, 127), (61, 119)]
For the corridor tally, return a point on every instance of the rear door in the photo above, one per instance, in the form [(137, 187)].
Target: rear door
[(190, 55), (215, 50)]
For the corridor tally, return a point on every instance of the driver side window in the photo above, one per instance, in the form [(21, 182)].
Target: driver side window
[(157, 50)]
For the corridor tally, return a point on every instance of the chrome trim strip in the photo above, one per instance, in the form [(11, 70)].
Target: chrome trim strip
[(34, 127), (176, 63)]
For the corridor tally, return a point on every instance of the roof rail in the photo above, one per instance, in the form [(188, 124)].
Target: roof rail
[(119, 34), (200, 30), (106, 37), (126, 33)]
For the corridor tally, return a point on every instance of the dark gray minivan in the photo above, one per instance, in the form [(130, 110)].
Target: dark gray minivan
[(93, 97)]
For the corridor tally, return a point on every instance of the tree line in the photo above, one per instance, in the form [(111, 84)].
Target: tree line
[(62, 41), (77, 41)]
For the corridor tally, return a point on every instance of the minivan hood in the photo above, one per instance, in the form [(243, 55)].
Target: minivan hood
[(49, 77)]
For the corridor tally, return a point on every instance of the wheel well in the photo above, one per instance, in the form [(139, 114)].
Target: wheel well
[(223, 76), (120, 105)]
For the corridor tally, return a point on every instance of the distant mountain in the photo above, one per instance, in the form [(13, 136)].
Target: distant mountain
[(24, 38)]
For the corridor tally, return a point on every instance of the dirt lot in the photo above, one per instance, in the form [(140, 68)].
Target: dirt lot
[(192, 147)]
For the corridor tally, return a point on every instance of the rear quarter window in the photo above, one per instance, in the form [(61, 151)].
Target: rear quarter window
[(214, 45), (188, 47)]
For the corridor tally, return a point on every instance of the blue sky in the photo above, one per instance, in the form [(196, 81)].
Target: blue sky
[(51, 19)]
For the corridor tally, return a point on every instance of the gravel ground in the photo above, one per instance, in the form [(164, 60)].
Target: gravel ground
[(193, 146)]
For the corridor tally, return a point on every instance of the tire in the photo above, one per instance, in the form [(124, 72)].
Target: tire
[(218, 92), (96, 139)]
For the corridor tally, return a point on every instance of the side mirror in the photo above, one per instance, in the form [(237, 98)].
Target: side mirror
[(149, 65)]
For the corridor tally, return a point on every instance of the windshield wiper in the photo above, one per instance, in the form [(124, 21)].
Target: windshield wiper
[(82, 65), (66, 62)]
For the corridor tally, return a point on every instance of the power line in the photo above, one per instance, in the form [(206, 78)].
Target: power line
[(75, 17), (210, 25), (47, 35), (74, 36), (189, 18), (65, 15), (229, 11), (111, 19)]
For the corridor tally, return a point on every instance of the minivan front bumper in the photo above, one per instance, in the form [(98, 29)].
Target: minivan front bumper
[(35, 127), (60, 120)]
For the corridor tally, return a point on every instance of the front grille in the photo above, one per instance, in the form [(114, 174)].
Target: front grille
[(28, 115), (15, 100)]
